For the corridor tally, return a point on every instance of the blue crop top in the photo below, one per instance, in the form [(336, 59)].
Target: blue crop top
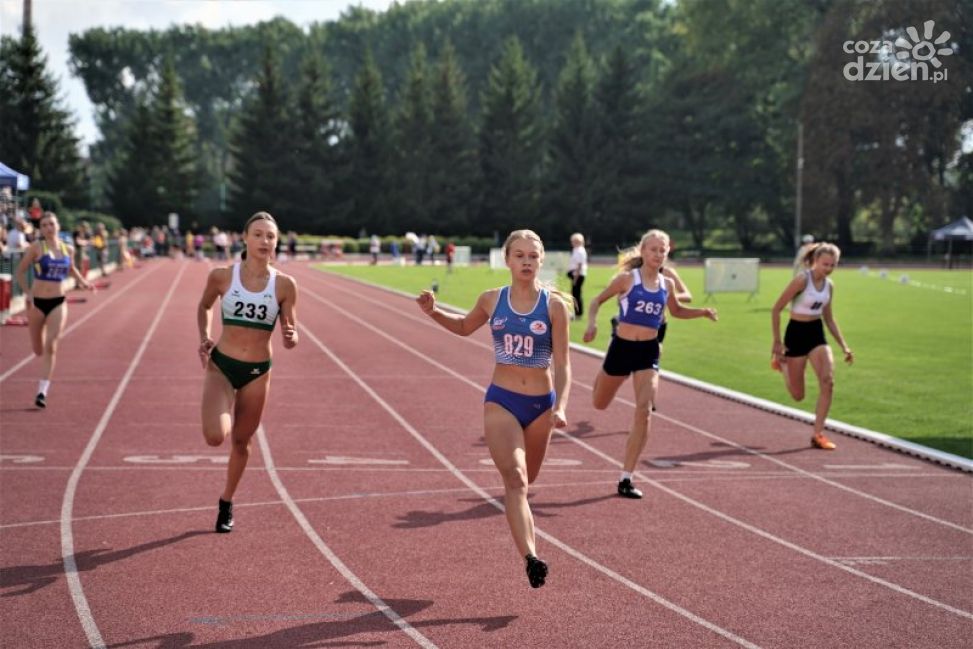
[(49, 268), (641, 306), (522, 339)]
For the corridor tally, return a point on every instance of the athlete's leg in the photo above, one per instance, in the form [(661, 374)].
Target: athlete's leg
[(217, 406), (55, 325), (248, 409), (645, 382), (605, 388), (822, 360), (537, 437), (793, 371), (505, 439)]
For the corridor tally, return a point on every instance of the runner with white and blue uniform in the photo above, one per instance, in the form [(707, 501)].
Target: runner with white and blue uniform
[(529, 326)]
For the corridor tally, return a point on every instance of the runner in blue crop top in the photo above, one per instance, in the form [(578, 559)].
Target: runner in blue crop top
[(643, 293), (254, 298), (52, 261), (529, 326)]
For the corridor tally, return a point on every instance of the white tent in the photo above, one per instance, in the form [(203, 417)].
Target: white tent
[(959, 230)]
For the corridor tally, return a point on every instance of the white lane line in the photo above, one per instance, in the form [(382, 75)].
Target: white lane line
[(318, 499), (87, 316), (706, 508), (564, 547), (426, 322), (329, 554), (67, 504)]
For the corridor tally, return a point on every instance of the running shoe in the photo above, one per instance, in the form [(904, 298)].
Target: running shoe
[(822, 442), (627, 490), (41, 400), (224, 519), (536, 571)]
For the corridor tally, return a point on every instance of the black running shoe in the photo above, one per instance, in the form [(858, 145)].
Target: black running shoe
[(536, 571), (41, 400), (224, 520), (614, 324), (627, 490)]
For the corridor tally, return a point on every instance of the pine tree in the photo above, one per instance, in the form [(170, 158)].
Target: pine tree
[(173, 138), (262, 146), (320, 169), (414, 144), (453, 169), (371, 152), (622, 199), (131, 187), (572, 186), (37, 136), (511, 141)]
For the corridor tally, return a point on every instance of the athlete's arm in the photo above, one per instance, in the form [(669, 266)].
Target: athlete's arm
[(620, 284), (829, 320), (461, 325), (560, 335), (684, 312), (793, 287), (288, 310), (80, 279), (30, 256), (683, 294), (214, 288)]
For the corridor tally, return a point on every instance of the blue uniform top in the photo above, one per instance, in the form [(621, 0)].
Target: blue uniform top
[(641, 306), (49, 268), (522, 339)]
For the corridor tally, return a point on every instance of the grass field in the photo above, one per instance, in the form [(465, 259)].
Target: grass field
[(913, 342)]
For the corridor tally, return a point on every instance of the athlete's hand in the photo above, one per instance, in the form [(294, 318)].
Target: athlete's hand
[(290, 335), (560, 419), (849, 356), (712, 314), (205, 348), (589, 333), (427, 302)]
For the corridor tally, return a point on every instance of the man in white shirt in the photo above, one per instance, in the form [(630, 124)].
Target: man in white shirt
[(577, 269)]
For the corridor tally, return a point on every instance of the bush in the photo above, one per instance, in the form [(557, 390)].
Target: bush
[(74, 217)]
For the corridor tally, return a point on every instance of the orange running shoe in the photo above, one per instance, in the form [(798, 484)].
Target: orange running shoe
[(822, 442)]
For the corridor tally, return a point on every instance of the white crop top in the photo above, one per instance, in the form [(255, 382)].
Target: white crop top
[(811, 301), (243, 308)]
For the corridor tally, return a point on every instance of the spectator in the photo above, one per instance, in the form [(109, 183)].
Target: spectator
[(374, 247)]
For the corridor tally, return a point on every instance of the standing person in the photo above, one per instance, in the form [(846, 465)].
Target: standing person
[(450, 253), (644, 293), (35, 212), (810, 295), (253, 295), (577, 270), (374, 247), (53, 262), (523, 405)]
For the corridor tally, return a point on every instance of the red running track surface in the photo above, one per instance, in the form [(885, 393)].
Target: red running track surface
[(369, 515)]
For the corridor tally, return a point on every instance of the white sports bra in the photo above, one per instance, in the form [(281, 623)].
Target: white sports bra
[(811, 301), (243, 308)]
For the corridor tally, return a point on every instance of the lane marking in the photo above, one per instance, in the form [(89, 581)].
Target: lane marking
[(564, 547), (714, 512), (427, 323), (329, 554), (15, 458), (75, 325), (868, 467), (345, 460), (176, 459), (67, 505)]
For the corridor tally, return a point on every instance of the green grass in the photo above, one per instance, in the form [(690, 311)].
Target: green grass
[(913, 343)]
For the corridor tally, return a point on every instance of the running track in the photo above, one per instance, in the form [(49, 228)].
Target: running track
[(367, 515)]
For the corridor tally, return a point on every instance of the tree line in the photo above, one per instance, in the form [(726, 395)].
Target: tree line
[(470, 117)]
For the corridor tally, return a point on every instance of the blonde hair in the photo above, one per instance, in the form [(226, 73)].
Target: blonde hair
[(632, 257), (812, 251), (530, 235)]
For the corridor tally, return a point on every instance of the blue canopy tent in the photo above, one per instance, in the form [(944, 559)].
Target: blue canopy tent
[(14, 179)]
